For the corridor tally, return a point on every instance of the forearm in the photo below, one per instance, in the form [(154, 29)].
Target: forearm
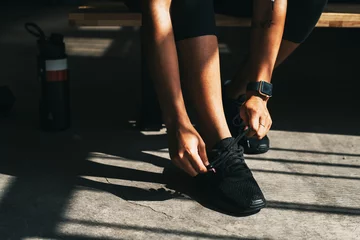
[(162, 60), (266, 36)]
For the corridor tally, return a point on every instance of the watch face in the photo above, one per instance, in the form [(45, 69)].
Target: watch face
[(266, 88)]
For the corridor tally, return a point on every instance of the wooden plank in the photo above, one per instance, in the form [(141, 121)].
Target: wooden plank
[(134, 19), (335, 15), (339, 20)]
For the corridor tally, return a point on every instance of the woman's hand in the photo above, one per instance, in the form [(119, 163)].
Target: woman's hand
[(256, 116), (187, 149)]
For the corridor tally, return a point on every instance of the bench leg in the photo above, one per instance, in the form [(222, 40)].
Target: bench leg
[(150, 116)]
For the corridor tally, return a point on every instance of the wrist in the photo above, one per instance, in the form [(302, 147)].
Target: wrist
[(176, 120), (250, 94), (262, 89)]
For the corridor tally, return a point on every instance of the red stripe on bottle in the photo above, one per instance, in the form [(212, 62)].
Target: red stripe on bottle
[(56, 76)]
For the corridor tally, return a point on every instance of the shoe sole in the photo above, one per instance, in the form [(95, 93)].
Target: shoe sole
[(259, 150), (253, 209)]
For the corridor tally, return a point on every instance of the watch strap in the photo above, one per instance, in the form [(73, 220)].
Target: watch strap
[(262, 87)]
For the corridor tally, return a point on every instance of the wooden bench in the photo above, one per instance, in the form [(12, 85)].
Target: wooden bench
[(116, 14), (335, 15)]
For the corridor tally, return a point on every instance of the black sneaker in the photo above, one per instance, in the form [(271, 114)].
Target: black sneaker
[(229, 185), (232, 110)]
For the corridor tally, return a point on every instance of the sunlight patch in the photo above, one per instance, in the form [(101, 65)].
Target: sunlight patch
[(89, 47), (107, 159), (38, 238), (5, 184), (100, 28), (141, 161), (149, 133)]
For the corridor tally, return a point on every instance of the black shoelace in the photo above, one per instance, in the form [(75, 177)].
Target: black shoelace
[(230, 156), (237, 121)]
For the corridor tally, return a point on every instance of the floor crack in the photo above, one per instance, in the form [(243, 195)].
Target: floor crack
[(211, 225), (152, 209), (107, 181)]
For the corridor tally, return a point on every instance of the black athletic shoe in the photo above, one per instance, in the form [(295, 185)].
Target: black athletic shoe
[(229, 185), (250, 145)]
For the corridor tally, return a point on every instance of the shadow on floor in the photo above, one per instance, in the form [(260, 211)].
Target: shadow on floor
[(47, 167)]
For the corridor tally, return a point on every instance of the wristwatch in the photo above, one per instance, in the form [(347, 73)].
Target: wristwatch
[(262, 87)]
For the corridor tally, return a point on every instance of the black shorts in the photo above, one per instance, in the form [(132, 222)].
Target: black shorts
[(194, 18)]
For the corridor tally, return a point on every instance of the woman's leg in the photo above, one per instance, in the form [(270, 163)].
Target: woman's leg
[(295, 31), (237, 86), (194, 29), (198, 53), (199, 58), (186, 147)]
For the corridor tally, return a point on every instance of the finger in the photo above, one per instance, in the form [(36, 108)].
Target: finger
[(263, 127), (188, 167), (270, 123), (182, 164), (251, 132), (176, 161), (196, 162), (203, 154), (245, 117), (253, 122)]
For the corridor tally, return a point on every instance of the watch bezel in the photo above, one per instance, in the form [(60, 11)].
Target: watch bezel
[(261, 89)]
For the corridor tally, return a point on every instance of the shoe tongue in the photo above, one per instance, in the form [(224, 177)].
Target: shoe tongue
[(219, 148), (223, 143)]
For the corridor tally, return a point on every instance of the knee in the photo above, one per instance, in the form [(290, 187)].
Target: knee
[(157, 5), (141, 5), (155, 13)]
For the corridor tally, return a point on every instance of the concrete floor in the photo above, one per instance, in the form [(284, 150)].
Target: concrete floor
[(103, 179)]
